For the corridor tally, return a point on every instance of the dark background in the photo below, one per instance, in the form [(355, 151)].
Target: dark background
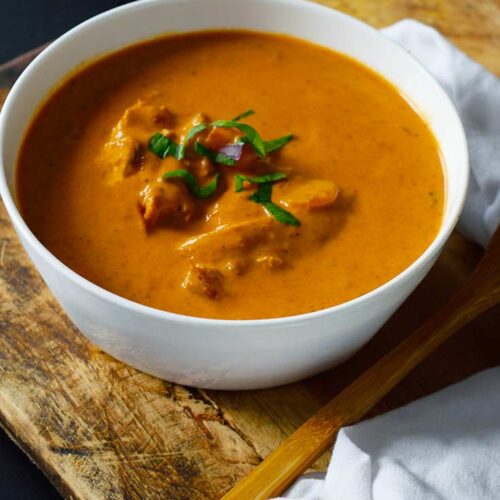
[(26, 24)]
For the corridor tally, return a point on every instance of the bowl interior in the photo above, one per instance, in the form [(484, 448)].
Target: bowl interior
[(321, 25)]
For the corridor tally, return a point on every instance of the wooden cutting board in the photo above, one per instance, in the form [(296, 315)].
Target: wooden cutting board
[(100, 429)]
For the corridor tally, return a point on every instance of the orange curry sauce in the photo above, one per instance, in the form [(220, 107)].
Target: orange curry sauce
[(364, 177)]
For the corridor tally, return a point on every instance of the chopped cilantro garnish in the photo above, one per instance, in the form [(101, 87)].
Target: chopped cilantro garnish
[(263, 197), (163, 146), (260, 179), (215, 156), (190, 180)]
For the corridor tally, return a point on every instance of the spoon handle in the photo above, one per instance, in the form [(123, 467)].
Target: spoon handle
[(281, 467)]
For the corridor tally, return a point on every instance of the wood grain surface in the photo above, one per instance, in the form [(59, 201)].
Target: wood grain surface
[(100, 429)]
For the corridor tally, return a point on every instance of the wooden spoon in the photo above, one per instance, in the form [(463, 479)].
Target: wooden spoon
[(281, 467)]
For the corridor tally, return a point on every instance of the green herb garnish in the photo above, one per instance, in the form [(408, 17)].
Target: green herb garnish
[(261, 179), (248, 112), (280, 214), (252, 137), (162, 146), (275, 144), (215, 156), (263, 197), (190, 180), (194, 131), (263, 193)]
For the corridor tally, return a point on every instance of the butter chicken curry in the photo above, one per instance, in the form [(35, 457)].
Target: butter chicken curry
[(231, 175)]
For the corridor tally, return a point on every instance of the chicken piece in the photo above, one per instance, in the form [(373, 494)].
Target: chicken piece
[(250, 161), (227, 141), (195, 120), (271, 261), (122, 156), (232, 207), (165, 203), (243, 234), (219, 137), (204, 168), (309, 194), (232, 248), (124, 153), (200, 166), (142, 120), (228, 251), (204, 280)]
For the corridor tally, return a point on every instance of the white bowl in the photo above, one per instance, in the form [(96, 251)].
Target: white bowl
[(227, 354)]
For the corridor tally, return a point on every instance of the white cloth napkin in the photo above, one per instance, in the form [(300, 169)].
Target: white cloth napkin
[(445, 446)]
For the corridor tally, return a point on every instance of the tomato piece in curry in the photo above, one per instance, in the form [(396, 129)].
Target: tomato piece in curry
[(329, 187)]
